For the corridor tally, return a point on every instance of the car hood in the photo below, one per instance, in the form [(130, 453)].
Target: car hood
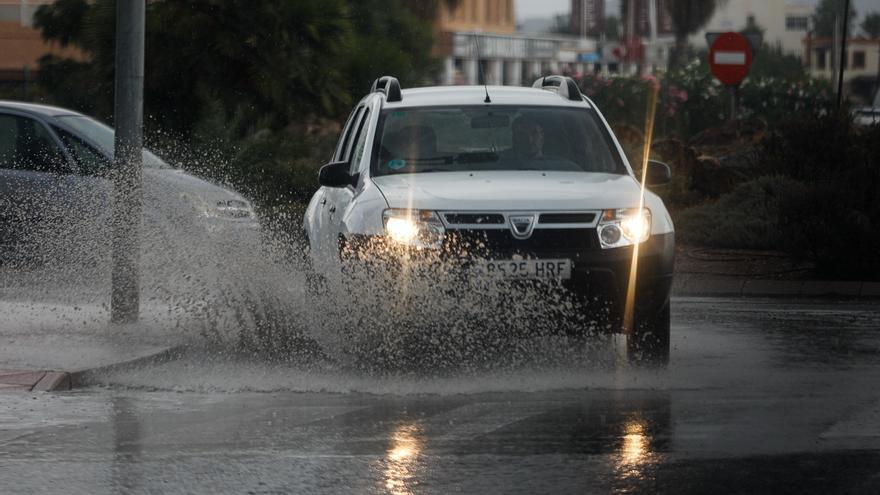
[(521, 190), (189, 186)]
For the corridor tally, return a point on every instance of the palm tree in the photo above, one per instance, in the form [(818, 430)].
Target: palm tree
[(688, 17)]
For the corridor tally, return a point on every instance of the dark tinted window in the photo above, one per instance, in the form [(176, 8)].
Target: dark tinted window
[(25, 144), (343, 137), (346, 145), (448, 139), (89, 160), (103, 137), (361, 138)]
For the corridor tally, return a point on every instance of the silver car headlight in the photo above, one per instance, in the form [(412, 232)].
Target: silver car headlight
[(420, 229), (624, 227)]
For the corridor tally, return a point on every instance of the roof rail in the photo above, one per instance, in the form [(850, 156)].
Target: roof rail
[(388, 85), (564, 86)]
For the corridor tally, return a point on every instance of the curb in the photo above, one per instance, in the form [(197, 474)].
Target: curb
[(52, 381), (57, 381), (685, 286), (82, 377)]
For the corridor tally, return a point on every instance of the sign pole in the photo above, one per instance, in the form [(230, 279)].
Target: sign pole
[(732, 90), (128, 161)]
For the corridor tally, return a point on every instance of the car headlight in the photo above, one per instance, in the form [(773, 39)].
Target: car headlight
[(231, 208), (624, 227), (421, 229)]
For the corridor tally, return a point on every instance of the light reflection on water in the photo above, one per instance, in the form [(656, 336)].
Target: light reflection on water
[(635, 452), (635, 445), (401, 458)]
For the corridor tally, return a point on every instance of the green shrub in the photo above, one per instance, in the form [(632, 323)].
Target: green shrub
[(825, 227), (820, 203), (748, 217), (837, 223), (279, 167), (690, 99)]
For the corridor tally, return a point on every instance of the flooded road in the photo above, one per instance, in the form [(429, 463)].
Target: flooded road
[(760, 396)]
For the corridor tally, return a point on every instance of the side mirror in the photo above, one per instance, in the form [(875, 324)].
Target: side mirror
[(335, 174), (657, 173)]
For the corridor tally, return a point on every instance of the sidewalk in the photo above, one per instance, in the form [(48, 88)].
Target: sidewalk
[(48, 347), (744, 273)]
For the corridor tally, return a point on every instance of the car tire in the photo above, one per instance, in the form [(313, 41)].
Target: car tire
[(649, 342)]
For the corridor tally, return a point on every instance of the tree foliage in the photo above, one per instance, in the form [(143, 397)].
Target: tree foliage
[(771, 61), (871, 25), (384, 42), (265, 63), (266, 59), (243, 91), (688, 17), (752, 27), (826, 15)]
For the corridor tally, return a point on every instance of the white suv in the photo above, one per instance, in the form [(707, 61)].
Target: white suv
[(531, 179)]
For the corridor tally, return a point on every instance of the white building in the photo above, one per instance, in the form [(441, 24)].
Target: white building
[(785, 21), (515, 59), (479, 38), (861, 65)]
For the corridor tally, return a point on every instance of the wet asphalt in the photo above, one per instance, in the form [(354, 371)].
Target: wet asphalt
[(761, 396)]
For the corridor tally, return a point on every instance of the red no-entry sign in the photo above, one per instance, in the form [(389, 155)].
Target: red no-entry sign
[(730, 57)]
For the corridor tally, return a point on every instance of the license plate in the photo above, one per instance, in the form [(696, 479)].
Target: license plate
[(524, 269)]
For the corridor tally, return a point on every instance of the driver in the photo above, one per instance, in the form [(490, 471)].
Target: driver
[(528, 138)]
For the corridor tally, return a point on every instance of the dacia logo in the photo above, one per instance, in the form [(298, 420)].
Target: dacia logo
[(521, 226)]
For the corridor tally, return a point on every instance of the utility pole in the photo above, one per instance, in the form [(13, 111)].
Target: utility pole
[(841, 60), (651, 49), (128, 161), (631, 32)]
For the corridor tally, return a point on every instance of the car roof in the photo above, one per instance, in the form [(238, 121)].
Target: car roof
[(36, 109), (476, 95)]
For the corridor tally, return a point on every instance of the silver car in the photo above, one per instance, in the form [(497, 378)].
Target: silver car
[(55, 190)]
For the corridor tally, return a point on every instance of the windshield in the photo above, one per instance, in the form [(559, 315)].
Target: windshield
[(471, 138), (102, 135)]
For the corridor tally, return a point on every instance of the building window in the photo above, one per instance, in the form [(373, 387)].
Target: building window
[(821, 63), (796, 23), (858, 60)]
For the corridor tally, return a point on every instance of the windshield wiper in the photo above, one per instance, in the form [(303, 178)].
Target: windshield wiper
[(477, 157), (419, 171), (433, 159)]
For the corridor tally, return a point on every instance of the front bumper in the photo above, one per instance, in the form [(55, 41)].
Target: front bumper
[(597, 274)]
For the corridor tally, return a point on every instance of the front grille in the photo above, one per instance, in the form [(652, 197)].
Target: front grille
[(546, 218), (474, 218), (543, 242)]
